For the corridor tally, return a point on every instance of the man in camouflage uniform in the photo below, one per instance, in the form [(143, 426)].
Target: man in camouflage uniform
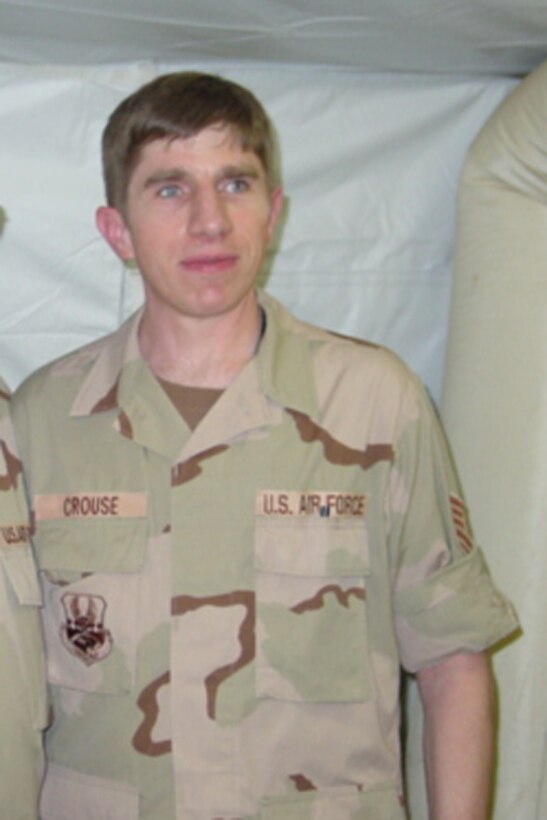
[(22, 680), (244, 525)]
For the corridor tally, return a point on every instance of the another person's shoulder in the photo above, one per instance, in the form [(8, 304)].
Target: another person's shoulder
[(7, 442), (5, 397)]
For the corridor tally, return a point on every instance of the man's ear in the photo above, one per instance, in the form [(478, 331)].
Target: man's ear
[(112, 227), (276, 207)]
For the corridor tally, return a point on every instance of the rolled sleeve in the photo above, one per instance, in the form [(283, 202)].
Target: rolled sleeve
[(456, 609), (444, 598)]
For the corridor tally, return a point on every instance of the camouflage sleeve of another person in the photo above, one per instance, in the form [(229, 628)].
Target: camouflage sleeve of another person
[(444, 598), (22, 679)]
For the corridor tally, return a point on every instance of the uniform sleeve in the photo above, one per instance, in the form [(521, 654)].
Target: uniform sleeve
[(23, 703), (444, 598)]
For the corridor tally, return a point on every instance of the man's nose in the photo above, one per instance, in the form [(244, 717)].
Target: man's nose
[(208, 214)]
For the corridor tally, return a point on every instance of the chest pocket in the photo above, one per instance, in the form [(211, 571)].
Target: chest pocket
[(311, 632), (91, 573)]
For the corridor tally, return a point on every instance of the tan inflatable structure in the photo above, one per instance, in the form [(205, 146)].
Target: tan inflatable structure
[(495, 411)]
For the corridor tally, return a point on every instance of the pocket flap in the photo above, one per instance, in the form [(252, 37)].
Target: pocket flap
[(68, 794), (313, 548), (381, 802), (94, 545)]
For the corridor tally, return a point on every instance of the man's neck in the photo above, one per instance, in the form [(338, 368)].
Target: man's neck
[(201, 352)]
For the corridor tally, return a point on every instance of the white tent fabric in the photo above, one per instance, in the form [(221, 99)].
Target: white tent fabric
[(502, 37)]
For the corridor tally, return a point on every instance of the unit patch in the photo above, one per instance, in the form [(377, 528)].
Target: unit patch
[(322, 504), (83, 633)]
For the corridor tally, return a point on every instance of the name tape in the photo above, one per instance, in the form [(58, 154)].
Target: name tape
[(15, 534), (90, 505), (322, 504)]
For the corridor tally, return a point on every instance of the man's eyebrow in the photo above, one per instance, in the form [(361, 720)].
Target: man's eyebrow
[(165, 175), (244, 170)]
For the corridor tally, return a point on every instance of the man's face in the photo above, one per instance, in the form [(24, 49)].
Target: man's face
[(197, 221)]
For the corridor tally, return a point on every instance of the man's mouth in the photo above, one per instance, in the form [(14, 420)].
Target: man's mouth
[(209, 263)]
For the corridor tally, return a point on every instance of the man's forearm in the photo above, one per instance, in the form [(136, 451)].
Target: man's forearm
[(458, 699)]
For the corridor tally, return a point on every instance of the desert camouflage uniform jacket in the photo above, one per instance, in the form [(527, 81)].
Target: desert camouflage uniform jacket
[(227, 610), (22, 680)]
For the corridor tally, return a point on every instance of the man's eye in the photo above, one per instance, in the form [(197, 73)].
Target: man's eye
[(169, 191), (236, 186)]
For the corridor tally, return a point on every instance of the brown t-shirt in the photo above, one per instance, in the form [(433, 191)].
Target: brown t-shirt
[(193, 403)]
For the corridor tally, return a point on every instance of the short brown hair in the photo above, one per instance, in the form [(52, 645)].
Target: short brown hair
[(175, 106)]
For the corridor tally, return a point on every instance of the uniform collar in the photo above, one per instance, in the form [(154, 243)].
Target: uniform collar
[(279, 376), (100, 389), (284, 359)]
